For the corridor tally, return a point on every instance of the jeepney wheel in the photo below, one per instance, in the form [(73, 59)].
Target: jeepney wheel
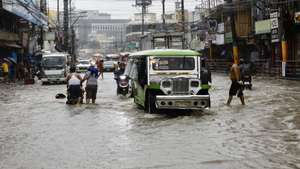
[(150, 103)]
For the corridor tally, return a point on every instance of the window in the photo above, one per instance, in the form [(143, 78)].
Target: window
[(173, 63), (128, 68), (134, 72)]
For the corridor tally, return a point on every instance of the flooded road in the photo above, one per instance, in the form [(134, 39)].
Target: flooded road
[(38, 131)]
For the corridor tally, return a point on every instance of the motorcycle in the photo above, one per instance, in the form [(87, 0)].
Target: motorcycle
[(247, 81), (122, 85), (72, 98)]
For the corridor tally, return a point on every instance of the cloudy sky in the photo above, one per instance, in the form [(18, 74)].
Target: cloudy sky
[(123, 8)]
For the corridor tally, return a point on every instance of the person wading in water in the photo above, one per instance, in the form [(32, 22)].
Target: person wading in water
[(236, 87), (91, 78)]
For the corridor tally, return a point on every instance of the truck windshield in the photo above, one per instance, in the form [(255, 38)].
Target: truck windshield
[(54, 62), (173, 63), (84, 62)]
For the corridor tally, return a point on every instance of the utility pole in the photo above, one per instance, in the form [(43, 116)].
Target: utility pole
[(234, 37), (58, 19), (183, 24), (43, 10), (143, 19), (143, 4), (164, 14), (66, 25)]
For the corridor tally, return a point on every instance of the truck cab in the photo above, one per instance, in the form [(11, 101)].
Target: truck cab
[(54, 68)]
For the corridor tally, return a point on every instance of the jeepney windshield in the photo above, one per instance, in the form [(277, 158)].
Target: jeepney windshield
[(173, 63)]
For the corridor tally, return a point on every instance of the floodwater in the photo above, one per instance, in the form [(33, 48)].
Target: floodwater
[(38, 131)]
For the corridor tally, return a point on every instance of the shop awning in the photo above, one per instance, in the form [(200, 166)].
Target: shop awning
[(10, 44), (28, 11)]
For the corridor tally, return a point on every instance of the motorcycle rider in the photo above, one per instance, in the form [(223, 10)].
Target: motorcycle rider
[(246, 73), (74, 86), (205, 77), (118, 73)]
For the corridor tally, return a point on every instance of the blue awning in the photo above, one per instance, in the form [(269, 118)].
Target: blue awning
[(27, 10)]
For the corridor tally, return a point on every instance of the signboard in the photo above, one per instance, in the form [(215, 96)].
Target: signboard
[(228, 38), (177, 6), (274, 23), (221, 28), (297, 18), (143, 2), (8, 36), (275, 34), (263, 27), (132, 45), (49, 36), (212, 25), (220, 39)]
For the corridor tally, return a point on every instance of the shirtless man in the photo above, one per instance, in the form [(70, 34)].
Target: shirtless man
[(236, 88), (74, 82)]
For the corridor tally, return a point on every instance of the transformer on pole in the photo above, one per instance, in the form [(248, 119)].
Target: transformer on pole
[(144, 4)]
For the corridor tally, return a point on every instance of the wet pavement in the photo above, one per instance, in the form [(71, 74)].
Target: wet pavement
[(38, 131)]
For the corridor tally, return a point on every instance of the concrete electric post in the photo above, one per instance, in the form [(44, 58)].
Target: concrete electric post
[(66, 25), (144, 4), (163, 14), (183, 24)]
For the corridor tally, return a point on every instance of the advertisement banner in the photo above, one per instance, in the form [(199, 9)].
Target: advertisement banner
[(263, 27), (275, 34), (297, 18)]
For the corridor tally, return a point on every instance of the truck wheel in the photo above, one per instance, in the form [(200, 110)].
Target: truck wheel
[(150, 104)]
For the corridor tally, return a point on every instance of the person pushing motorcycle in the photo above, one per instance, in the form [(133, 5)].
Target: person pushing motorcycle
[(74, 82)]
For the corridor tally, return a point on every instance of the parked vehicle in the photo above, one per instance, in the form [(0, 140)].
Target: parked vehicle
[(72, 98), (82, 66), (109, 65), (167, 79), (54, 68)]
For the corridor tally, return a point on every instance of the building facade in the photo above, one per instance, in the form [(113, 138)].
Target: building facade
[(21, 23), (100, 31), (265, 32)]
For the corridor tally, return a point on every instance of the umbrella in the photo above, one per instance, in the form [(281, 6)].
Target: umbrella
[(6, 59), (13, 58)]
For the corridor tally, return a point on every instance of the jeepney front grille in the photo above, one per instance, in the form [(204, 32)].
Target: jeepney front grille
[(180, 86)]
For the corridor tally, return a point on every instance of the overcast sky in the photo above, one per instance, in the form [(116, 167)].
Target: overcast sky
[(123, 8)]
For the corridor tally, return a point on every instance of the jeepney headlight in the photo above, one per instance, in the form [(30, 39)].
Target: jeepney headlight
[(194, 86), (195, 83), (166, 84)]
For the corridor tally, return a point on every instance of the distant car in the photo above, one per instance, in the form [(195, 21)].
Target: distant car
[(109, 66), (82, 66)]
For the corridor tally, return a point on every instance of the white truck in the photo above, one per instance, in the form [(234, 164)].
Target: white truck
[(55, 67)]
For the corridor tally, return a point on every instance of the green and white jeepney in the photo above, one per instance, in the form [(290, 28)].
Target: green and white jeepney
[(167, 79)]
